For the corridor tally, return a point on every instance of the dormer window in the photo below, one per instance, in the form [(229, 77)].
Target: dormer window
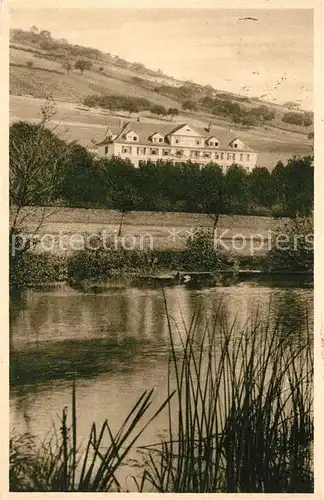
[(212, 141), (237, 144), (156, 137), (131, 136)]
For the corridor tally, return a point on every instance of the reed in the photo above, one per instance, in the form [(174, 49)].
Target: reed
[(243, 420), (240, 420), (59, 465)]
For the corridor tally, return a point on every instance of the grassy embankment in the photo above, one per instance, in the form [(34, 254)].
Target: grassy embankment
[(157, 225), (151, 244)]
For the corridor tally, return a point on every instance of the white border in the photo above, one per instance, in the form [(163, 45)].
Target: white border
[(319, 220)]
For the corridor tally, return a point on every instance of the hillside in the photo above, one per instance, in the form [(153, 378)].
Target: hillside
[(40, 65)]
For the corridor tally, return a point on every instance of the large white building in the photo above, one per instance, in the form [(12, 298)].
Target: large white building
[(142, 142)]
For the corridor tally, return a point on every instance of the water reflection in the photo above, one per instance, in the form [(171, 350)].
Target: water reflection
[(55, 333), (117, 344)]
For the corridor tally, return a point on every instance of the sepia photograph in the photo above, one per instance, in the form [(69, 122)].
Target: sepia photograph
[(161, 248)]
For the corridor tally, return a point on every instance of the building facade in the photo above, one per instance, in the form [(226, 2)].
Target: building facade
[(142, 142)]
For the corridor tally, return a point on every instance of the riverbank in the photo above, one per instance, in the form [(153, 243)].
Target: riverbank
[(97, 270)]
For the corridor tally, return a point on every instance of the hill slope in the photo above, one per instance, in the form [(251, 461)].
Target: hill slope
[(40, 65)]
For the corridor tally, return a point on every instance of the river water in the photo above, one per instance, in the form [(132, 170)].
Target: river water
[(116, 344)]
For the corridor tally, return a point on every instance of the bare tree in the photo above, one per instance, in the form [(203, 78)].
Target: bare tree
[(35, 157)]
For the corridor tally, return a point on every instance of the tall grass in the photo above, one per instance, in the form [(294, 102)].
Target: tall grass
[(243, 421), (239, 413), (59, 465)]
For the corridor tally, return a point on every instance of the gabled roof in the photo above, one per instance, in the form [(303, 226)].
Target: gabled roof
[(146, 130), (155, 133), (123, 130), (180, 126), (108, 131), (129, 131)]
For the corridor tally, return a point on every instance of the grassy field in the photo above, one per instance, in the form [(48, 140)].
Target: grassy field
[(241, 235), (72, 86)]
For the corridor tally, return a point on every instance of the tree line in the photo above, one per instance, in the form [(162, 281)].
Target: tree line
[(226, 108), (129, 104), (46, 170)]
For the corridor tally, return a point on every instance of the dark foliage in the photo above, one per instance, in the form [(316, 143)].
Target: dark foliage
[(81, 180)]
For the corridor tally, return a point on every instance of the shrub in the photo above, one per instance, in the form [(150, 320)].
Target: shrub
[(83, 65), (36, 269), (200, 254), (293, 118), (159, 110), (103, 263), (293, 248), (189, 105)]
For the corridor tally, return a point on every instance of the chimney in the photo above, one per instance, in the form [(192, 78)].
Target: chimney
[(208, 128)]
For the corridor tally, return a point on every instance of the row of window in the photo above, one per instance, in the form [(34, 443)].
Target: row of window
[(176, 161), (220, 155), (198, 142), (142, 151)]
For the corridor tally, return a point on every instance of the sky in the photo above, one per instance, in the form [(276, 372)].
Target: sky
[(208, 46)]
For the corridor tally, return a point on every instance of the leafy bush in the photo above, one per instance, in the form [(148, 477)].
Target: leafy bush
[(159, 110), (304, 119), (83, 65), (173, 112), (117, 102), (37, 268), (189, 105), (200, 254), (103, 263), (293, 248)]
